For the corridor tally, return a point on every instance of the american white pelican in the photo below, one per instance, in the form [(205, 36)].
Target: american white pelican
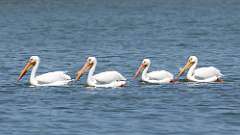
[(104, 79), (155, 77), (205, 74), (56, 78)]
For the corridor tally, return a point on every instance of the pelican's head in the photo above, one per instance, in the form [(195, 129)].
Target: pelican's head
[(191, 60), (87, 66), (31, 63), (145, 63)]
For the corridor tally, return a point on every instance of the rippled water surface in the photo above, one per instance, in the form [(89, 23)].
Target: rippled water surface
[(120, 34)]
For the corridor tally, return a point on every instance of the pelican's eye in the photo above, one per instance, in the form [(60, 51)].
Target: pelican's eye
[(90, 61), (32, 61), (190, 60)]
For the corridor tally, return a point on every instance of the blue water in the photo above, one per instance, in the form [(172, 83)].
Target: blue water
[(120, 34)]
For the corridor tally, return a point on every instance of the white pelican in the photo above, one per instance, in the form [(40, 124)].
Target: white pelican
[(56, 78), (155, 77), (205, 74), (104, 79)]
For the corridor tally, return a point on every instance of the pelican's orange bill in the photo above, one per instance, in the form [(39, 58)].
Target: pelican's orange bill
[(139, 71), (84, 69), (28, 66)]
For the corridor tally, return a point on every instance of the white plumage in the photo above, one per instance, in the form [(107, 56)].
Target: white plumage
[(56, 78), (52, 77), (204, 74), (155, 77), (108, 77), (207, 72), (104, 79), (159, 75)]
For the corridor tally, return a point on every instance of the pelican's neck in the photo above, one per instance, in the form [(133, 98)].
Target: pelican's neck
[(91, 71), (34, 70), (191, 70), (144, 73)]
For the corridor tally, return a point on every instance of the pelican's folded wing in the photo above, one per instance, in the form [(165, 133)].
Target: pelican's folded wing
[(159, 75), (108, 77), (207, 72), (53, 77)]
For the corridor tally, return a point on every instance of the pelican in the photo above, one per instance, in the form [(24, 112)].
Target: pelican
[(204, 74), (154, 77), (56, 78), (104, 79)]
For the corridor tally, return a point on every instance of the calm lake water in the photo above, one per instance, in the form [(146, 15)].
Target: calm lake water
[(120, 33)]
